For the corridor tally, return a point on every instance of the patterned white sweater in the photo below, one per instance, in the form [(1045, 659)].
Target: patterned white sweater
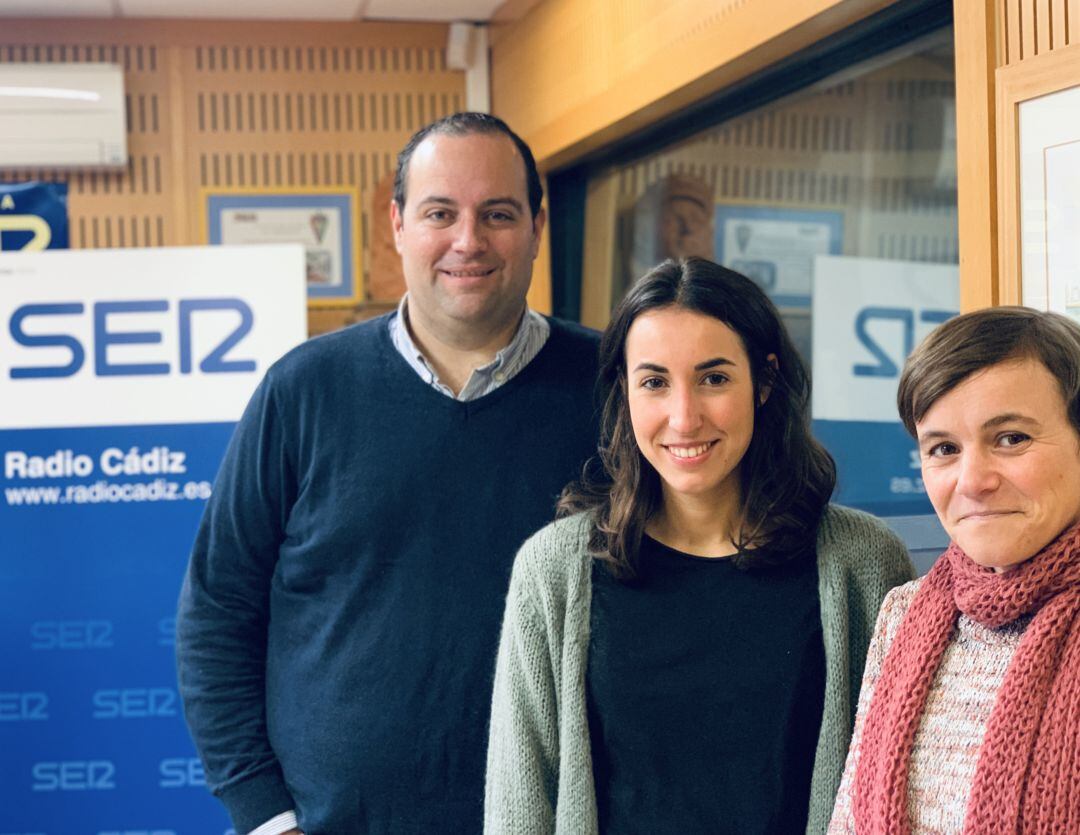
[(950, 733)]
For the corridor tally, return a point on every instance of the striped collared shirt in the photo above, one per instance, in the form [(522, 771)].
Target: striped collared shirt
[(531, 335)]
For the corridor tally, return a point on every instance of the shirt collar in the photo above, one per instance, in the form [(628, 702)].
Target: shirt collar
[(530, 336)]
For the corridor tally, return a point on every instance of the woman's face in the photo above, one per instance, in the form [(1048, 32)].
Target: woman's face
[(691, 401), (1001, 463)]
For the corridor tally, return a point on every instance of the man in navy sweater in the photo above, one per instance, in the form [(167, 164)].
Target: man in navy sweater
[(339, 620)]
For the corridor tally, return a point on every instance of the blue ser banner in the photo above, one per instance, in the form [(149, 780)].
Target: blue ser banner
[(122, 374)]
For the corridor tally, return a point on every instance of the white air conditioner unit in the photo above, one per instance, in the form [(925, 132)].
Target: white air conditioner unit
[(62, 115)]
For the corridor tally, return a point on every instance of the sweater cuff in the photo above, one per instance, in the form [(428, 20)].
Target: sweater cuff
[(253, 801)]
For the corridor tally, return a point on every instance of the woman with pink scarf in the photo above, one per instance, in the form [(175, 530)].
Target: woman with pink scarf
[(969, 716)]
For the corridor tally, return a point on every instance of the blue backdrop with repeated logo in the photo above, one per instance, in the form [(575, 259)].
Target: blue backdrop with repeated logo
[(121, 377)]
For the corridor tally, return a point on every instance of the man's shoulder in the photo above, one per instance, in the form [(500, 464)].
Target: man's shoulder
[(572, 333), (571, 355)]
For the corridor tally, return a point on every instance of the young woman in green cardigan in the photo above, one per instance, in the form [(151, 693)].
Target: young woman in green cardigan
[(682, 651)]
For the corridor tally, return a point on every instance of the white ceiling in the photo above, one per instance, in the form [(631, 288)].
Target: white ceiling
[(432, 10)]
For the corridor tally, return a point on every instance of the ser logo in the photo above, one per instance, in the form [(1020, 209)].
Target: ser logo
[(166, 632), (135, 703), (181, 772), (71, 634), (888, 363), (105, 333), (24, 707), (73, 775)]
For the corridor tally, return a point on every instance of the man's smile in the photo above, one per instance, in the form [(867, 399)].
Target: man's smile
[(469, 272)]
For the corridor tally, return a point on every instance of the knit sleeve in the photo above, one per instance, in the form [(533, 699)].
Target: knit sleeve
[(888, 622), (224, 612), (523, 749)]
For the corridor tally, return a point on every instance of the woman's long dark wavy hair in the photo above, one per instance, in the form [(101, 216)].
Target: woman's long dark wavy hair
[(787, 477)]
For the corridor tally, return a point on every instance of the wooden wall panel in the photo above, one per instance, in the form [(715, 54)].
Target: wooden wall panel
[(978, 45), (573, 75), (229, 104), (112, 209), (1009, 23), (1028, 29), (991, 35), (1059, 23), (1035, 27)]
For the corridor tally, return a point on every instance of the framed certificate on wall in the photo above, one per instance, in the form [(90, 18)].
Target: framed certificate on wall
[(1039, 168), (776, 247), (323, 220)]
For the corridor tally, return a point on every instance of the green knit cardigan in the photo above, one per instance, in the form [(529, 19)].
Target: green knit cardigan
[(539, 768)]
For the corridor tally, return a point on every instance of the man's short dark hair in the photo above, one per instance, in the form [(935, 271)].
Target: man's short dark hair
[(465, 124)]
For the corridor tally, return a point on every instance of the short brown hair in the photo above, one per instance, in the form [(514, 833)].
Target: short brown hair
[(974, 341)]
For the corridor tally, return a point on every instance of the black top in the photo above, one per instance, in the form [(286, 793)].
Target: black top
[(705, 688), (360, 539)]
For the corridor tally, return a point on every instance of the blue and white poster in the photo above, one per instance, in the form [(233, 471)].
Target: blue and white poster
[(122, 374), (868, 316), (776, 247), (33, 216)]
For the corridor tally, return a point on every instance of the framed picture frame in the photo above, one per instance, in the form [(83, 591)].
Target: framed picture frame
[(1038, 144), (324, 220), (776, 246)]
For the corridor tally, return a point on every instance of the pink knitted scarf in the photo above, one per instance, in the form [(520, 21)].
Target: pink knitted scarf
[(1028, 773)]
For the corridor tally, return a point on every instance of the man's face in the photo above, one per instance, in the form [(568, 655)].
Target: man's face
[(465, 235)]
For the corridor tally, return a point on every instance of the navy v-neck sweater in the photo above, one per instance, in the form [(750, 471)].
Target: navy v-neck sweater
[(339, 621)]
